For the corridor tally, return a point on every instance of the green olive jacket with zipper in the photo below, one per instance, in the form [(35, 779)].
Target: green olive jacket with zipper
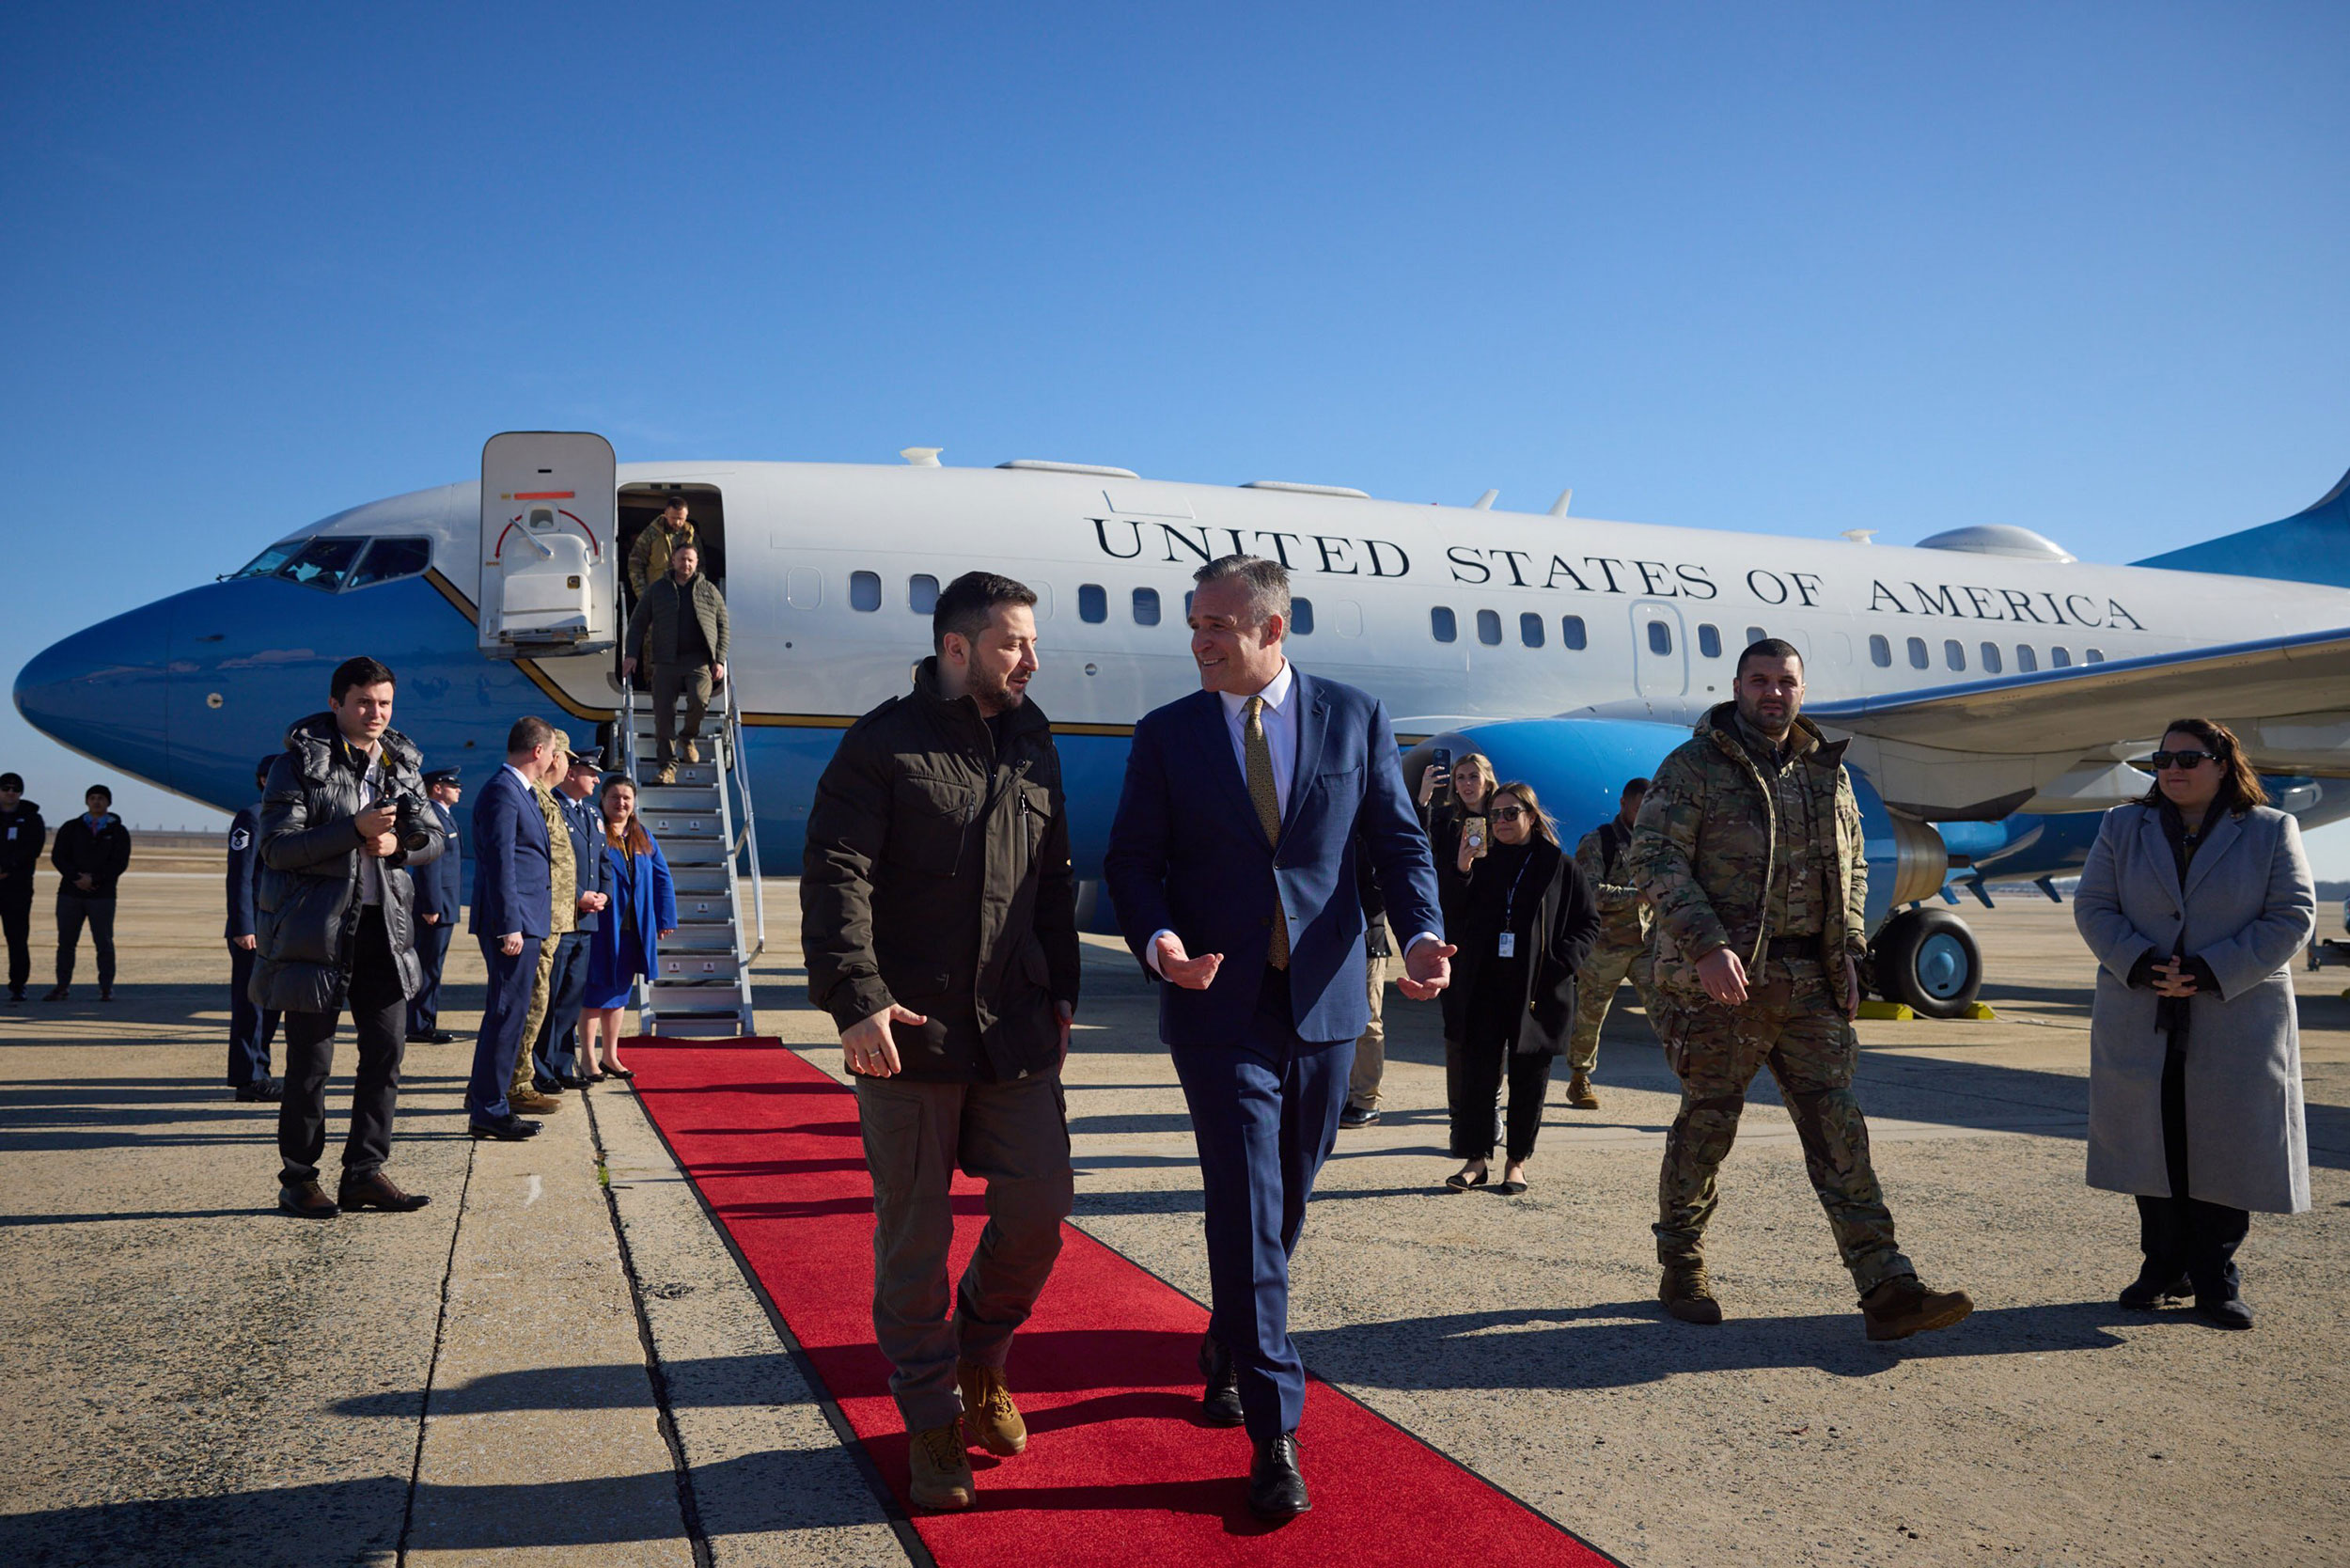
[(937, 877)]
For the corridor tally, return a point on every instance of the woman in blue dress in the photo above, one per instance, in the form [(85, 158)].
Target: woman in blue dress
[(644, 902)]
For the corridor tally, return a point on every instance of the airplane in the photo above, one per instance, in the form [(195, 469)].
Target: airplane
[(1993, 686)]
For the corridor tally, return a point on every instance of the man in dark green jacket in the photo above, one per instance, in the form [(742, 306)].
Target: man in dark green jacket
[(679, 630), (938, 917)]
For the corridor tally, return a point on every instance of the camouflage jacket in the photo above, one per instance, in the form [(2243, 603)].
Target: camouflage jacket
[(1701, 850), (649, 557), (1603, 857), (562, 867)]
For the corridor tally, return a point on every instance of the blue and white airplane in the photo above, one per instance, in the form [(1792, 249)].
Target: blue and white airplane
[(1993, 686)]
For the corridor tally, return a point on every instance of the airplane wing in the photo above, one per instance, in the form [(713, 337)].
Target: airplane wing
[(2287, 699)]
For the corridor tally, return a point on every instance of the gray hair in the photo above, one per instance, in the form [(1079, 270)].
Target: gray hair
[(1268, 583)]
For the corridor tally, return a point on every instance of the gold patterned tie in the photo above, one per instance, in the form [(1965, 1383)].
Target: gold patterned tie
[(1268, 803)]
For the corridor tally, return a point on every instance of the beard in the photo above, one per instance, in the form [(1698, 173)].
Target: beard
[(1774, 724), (993, 692)]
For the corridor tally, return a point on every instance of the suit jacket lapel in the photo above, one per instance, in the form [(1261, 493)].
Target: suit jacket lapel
[(2224, 834), (1313, 724), (1223, 765)]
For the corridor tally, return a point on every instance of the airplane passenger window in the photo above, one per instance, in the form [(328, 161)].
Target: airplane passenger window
[(1880, 652), (1570, 631), (1093, 604), (323, 563), (1145, 607), (1916, 653), (921, 593), (1954, 653), (390, 559), (268, 561), (2093, 655), (2059, 658), (1710, 640), (1489, 628), (1441, 625), (1755, 634), (865, 590), (1301, 615), (1530, 629), (1660, 637), (2025, 660), (1991, 657)]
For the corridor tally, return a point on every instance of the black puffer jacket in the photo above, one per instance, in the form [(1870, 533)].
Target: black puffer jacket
[(937, 876), (306, 893)]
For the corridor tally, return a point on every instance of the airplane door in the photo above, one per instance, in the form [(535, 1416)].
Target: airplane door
[(1660, 653), (550, 525)]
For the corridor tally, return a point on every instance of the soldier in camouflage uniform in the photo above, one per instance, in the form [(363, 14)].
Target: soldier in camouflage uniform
[(523, 1091), (1621, 952), (1749, 847)]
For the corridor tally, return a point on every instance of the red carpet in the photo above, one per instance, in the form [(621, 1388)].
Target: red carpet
[(1119, 1468)]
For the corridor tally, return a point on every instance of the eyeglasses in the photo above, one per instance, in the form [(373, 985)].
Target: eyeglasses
[(1511, 813), (2186, 760)]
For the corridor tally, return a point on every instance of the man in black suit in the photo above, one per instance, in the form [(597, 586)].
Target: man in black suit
[(440, 902), (251, 1028)]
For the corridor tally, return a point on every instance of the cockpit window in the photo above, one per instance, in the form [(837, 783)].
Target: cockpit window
[(269, 560), (389, 559), (324, 563)]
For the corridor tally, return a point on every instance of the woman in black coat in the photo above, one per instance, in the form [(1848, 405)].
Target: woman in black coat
[(1523, 922)]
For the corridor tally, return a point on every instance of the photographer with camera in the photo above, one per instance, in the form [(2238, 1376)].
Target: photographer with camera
[(344, 820)]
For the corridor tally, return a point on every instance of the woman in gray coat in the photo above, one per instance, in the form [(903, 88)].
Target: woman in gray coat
[(2194, 901)]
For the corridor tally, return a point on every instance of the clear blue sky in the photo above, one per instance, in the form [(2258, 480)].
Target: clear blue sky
[(1801, 269)]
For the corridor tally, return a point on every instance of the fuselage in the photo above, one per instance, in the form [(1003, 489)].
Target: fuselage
[(1454, 617)]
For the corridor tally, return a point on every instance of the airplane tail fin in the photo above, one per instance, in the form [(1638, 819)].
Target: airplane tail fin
[(2311, 546)]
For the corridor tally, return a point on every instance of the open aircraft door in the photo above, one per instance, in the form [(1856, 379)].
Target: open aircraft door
[(550, 525)]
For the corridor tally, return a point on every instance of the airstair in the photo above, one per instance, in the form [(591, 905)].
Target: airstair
[(709, 832)]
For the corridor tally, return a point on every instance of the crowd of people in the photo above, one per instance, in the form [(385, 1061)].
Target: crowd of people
[(1268, 869)]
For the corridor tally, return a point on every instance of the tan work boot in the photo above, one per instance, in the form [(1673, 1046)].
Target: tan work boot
[(1688, 1294), (693, 751), (668, 774), (1901, 1306), (1579, 1093), (988, 1413), (529, 1101), (942, 1471)]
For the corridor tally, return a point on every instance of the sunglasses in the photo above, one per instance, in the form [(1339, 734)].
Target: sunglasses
[(1511, 813), (2187, 760)]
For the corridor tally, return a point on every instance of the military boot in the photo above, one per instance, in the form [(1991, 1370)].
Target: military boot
[(942, 1471), (988, 1412), (1687, 1295), (1901, 1306), (1579, 1093), (693, 751)]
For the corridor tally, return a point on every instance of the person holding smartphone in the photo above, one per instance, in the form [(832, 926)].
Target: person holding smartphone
[(1452, 794)]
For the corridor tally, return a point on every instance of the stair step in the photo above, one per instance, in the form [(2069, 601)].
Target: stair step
[(669, 825), (696, 852), (678, 997), (706, 908), (698, 879), (703, 773), (702, 937), (689, 968), (676, 797), (728, 1025)]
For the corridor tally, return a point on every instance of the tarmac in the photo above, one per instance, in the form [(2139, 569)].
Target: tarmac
[(560, 1361)]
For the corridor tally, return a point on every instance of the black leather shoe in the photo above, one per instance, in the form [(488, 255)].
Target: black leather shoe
[(1357, 1116), (572, 1080), (509, 1128), (1276, 1488), (2151, 1285), (1220, 1404), (2223, 1311), (265, 1092)]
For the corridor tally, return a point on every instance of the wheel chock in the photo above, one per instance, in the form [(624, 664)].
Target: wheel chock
[(1981, 1011), (1898, 1012)]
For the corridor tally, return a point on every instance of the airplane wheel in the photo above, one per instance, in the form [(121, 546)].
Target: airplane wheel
[(1927, 958)]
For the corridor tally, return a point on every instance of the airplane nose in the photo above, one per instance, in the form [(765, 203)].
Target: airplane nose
[(105, 691)]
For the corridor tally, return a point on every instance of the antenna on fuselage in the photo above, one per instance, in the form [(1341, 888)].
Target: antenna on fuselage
[(1485, 502), (921, 457), (1558, 507), (1859, 536)]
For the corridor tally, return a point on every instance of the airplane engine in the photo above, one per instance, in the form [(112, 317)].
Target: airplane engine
[(1924, 957)]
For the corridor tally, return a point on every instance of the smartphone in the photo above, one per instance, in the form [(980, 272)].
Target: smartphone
[(1441, 760), (1473, 834)]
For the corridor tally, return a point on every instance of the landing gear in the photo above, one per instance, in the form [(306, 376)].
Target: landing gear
[(1927, 959)]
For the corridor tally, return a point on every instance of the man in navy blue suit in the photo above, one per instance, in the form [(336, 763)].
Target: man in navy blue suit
[(440, 902), (512, 894), (1233, 867), (250, 1028)]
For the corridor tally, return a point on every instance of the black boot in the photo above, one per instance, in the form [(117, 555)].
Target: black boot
[(2155, 1283), (1220, 1404), (1276, 1488)]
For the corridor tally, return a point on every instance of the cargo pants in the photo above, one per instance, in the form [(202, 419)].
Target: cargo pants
[(1595, 992), (1791, 1022)]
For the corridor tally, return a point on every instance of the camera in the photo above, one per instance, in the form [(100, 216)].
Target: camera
[(408, 825)]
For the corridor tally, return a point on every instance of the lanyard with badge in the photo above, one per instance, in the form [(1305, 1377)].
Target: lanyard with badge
[(1507, 944)]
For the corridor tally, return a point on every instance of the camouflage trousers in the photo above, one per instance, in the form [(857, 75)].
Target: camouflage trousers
[(1791, 1022), (1595, 992)]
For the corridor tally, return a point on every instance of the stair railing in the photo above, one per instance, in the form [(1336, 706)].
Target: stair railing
[(739, 764)]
